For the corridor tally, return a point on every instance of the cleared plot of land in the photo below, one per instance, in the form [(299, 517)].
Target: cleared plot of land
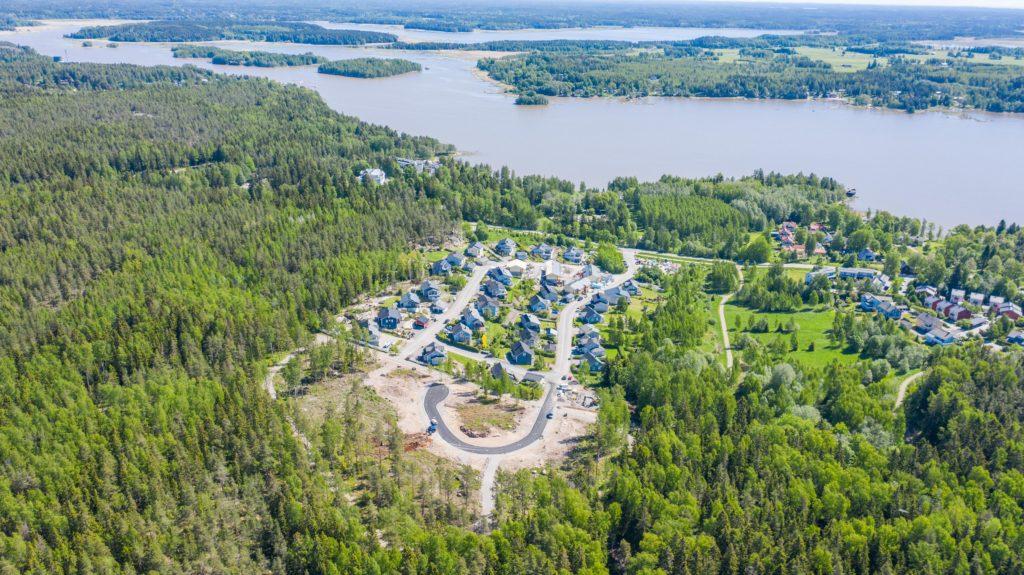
[(480, 417), (841, 60)]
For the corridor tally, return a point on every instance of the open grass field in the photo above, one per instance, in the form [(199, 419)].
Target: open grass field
[(671, 258), (846, 61), (814, 325), (841, 61), (796, 273)]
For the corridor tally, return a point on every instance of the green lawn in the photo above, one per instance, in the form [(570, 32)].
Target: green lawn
[(645, 303), (461, 359), (796, 273), (435, 255), (496, 336), (814, 325)]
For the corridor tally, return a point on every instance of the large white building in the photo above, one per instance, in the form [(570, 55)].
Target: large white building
[(375, 175)]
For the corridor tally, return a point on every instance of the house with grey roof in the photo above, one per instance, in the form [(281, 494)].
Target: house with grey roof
[(455, 259), (612, 296), (538, 304), (529, 337), (940, 336), (409, 300), (573, 255), (501, 275), (542, 251), (495, 289), (926, 322), (533, 377), (889, 310), (488, 307), (472, 318), (370, 333), (548, 293), (433, 354), (631, 287), (441, 268), (590, 315), (520, 354), (505, 247), (430, 290), (389, 317), (529, 321), (460, 333), (593, 363), (502, 369)]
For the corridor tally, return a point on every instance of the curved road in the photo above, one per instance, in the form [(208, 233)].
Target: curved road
[(901, 392), (437, 393)]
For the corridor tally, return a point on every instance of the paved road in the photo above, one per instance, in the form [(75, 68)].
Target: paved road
[(437, 393), (566, 329), (487, 486), (462, 299)]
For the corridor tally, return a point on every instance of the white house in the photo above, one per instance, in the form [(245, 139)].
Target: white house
[(375, 175)]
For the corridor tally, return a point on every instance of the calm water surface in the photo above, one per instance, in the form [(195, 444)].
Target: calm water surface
[(637, 34), (946, 168)]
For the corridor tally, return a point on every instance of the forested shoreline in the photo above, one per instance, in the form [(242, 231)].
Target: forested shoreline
[(166, 230), (903, 80), (254, 30), (226, 57), (369, 67), (883, 23)]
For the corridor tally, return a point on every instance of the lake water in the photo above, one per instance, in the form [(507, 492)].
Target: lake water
[(637, 34), (948, 168)]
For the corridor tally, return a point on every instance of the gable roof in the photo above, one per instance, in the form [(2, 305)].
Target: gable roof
[(520, 348)]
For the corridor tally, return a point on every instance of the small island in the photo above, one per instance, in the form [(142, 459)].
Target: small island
[(246, 58), (369, 67), (531, 99)]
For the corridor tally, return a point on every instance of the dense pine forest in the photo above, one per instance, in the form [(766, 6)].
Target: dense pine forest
[(165, 231), (258, 31), (369, 67), (903, 81), (245, 58)]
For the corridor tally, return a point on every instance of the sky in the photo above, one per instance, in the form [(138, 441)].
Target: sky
[(1018, 4)]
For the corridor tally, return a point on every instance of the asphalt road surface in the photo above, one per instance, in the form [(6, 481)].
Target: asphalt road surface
[(437, 392)]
